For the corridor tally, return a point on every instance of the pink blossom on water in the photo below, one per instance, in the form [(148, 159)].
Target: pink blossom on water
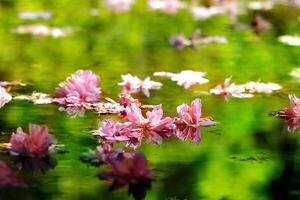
[(37, 143), (119, 6), (186, 78), (291, 114), (132, 84), (167, 6), (81, 87), (127, 169), (111, 132), (5, 97), (154, 126), (189, 121), (227, 89), (179, 42), (8, 177), (258, 87)]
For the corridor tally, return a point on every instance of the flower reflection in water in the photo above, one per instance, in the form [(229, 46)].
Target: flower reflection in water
[(8, 178), (34, 165)]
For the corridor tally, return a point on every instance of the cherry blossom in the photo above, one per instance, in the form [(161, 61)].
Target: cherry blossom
[(291, 114), (290, 40), (81, 87), (119, 6), (186, 78), (189, 121), (37, 143), (132, 84), (43, 30), (30, 15), (5, 97), (167, 6)]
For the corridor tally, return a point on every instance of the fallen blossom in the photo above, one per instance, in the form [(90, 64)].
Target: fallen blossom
[(167, 6), (43, 30), (203, 13), (260, 5), (5, 97), (154, 126), (295, 73), (258, 87), (119, 6), (8, 177), (185, 78), (291, 114), (259, 24), (127, 169), (189, 121), (132, 84), (35, 15), (36, 98), (37, 143), (179, 42), (290, 40), (81, 87), (13, 83)]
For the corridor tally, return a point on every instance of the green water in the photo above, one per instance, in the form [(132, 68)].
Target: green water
[(249, 155)]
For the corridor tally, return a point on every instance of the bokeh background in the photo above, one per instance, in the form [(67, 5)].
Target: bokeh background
[(249, 155)]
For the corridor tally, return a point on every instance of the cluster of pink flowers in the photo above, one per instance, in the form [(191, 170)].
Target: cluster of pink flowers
[(37, 143), (8, 178), (246, 90), (132, 84), (154, 127), (80, 87), (291, 114)]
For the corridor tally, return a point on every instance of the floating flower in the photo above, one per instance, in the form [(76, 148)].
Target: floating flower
[(295, 73), (154, 126), (185, 78), (36, 98), (259, 24), (43, 30), (291, 114), (289, 40), (258, 5), (81, 87), (258, 87), (202, 13), (132, 84), (13, 83), (35, 15), (189, 121), (179, 42), (119, 6), (167, 6), (127, 169), (5, 97), (38, 143), (8, 177)]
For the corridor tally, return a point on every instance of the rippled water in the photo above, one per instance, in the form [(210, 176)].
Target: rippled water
[(249, 155)]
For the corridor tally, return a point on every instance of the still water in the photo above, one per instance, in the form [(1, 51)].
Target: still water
[(248, 155)]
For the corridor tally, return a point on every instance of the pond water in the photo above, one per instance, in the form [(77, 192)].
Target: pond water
[(249, 155)]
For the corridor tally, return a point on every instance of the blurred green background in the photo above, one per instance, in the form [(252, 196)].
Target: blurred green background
[(249, 155)]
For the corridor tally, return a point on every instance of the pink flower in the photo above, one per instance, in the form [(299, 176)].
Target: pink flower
[(132, 84), (111, 132), (127, 169), (227, 89), (37, 143), (8, 178), (189, 121), (179, 42), (167, 6), (5, 97), (291, 114), (186, 78), (81, 87)]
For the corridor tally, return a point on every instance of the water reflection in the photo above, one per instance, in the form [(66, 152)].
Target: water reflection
[(34, 165)]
